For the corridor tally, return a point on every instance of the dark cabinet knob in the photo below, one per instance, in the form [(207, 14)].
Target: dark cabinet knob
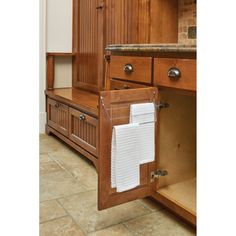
[(174, 73), (128, 68), (99, 7), (126, 86), (82, 117)]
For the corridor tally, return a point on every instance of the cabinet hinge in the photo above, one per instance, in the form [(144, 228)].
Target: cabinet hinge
[(157, 174), (107, 58), (162, 105)]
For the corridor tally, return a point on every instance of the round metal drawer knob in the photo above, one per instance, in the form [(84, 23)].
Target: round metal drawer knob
[(82, 117), (174, 73), (126, 86), (128, 68)]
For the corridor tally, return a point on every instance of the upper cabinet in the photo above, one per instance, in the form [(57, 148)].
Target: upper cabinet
[(84, 28), (59, 25), (141, 21), (89, 27), (98, 23)]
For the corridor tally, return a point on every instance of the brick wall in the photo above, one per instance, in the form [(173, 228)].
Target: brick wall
[(187, 22)]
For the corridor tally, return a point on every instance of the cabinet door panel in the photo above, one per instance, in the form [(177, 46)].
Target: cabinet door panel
[(57, 116), (114, 108), (90, 45), (52, 113), (63, 119), (83, 130)]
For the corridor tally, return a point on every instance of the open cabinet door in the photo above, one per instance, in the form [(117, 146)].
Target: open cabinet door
[(114, 109)]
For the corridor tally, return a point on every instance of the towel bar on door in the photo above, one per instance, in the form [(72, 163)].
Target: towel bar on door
[(107, 110)]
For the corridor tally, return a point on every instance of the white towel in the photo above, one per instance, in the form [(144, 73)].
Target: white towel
[(145, 115), (125, 168)]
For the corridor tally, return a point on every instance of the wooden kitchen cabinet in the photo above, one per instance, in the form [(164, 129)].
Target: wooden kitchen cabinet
[(171, 178), (73, 117), (165, 74)]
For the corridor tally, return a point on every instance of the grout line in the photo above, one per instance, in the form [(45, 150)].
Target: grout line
[(137, 217), (68, 171), (122, 222), (147, 207), (107, 227), (72, 217), (64, 168), (60, 217), (133, 233), (71, 195)]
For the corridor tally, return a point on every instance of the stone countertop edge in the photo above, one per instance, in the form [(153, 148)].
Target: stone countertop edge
[(152, 47)]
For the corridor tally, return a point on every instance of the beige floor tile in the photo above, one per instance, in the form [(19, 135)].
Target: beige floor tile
[(151, 204), (117, 230), (50, 210), (50, 144), (160, 223), (69, 159), (58, 184), (86, 175), (83, 208), (49, 167), (60, 227), (46, 147), (44, 157), (43, 136)]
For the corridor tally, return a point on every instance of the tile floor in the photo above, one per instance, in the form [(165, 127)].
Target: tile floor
[(68, 201)]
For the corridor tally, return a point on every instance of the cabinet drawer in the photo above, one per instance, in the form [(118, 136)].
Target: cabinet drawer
[(83, 130), (58, 115), (175, 73), (118, 85), (131, 68)]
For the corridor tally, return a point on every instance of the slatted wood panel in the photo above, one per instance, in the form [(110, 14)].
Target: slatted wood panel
[(141, 21), (90, 36), (83, 132), (58, 116), (127, 21)]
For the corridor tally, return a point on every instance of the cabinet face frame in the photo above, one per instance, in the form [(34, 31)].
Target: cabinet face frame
[(108, 101)]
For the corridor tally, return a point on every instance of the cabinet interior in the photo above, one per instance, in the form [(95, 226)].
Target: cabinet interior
[(177, 149)]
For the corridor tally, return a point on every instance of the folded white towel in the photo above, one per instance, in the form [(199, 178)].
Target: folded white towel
[(145, 115), (125, 171)]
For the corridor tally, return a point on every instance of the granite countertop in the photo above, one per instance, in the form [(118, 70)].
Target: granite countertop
[(152, 47)]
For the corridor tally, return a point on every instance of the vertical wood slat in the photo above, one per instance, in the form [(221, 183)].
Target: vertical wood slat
[(75, 41)]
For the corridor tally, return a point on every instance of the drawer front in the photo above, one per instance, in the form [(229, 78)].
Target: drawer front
[(175, 73), (131, 68), (118, 85), (58, 115), (83, 130)]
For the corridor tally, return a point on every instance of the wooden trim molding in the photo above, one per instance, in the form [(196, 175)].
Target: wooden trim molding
[(50, 72)]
